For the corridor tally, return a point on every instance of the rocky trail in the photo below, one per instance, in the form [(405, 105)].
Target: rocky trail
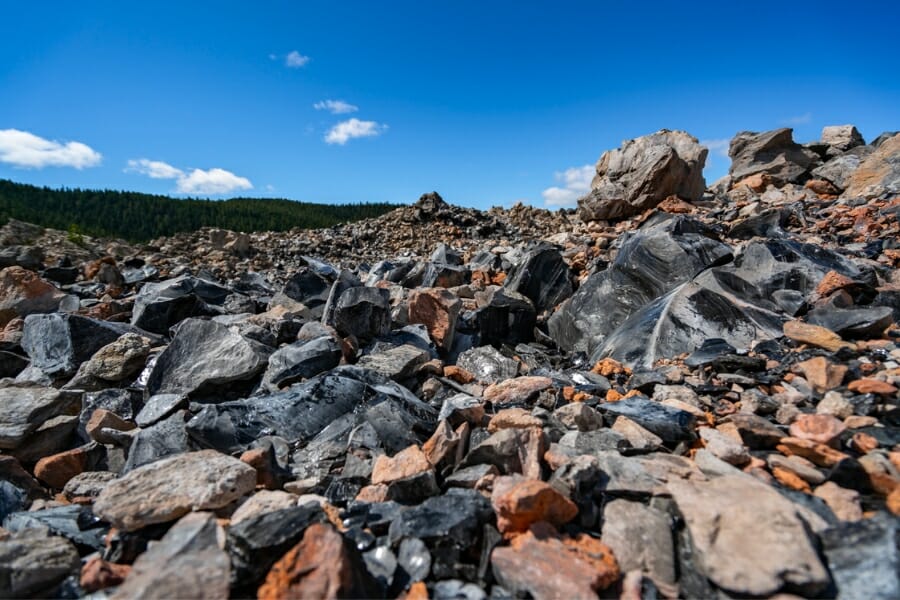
[(676, 390)]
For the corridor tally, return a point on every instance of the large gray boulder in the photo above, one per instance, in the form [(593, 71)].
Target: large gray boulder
[(879, 174), (643, 173), (773, 153)]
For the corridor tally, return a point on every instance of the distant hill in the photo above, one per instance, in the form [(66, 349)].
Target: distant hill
[(140, 217)]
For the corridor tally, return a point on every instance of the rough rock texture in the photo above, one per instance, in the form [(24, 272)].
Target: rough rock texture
[(643, 173), (772, 153), (23, 292), (169, 488), (879, 174)]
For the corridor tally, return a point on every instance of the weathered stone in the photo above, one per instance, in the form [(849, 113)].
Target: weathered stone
[(513, 418), (577, 415), (488, 365), (363, 312), (519, 503), (23, 292), (322, 565), (25, 408), (32, 564), (398, 362), (773, 152), (118, 360), (757, 432), (740, 552), (814, 335), (863, 557), (58, 469), (188, 562), (879, 173), (671, 424), (438, 310), (170, 488), (841, 137), (641, 539), (98, 574), (843, 502), (822, 429), (516, 391), (822, 374), (872, 386), (642, 173), (405, 463), (724, 447), (58, 343), (205, 355)]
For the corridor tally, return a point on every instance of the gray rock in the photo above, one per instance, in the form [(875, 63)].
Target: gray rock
[(32, 564), (641, 539), (840, 169), (398, 363), (159, 306), (740, 552), (188, 562), (671, 424), (160, 406), (364, 312), (879, 174), (773, 153), (507, 318), (651, 262), (643, 475), (301, 360), (866, 322), (58, 343), (172, 487), (23, 409), (162, 439), (542, 276), (842, 137), (644, 172), (488, 365), (863, 558), (88, 484), (203, 356)]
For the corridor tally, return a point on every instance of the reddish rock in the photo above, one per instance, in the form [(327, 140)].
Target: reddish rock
[(98, 574), (56, 470), (23, 292), (437, 309), (757, 182), (822, 429), (544, 566), (517, 390), (872, 386), (519, 503), (863, 442), (820, 454), (610, 366), (790, 479), (513, 418), (322, 566), (446, 447), (814, 335), (822, 188), (821, 374), (104, 419), (268, 473), (832, 282), (374, 493), (458, 374), (843, 503), (405, 463)]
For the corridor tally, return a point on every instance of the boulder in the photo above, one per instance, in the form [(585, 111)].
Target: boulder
[(23, 292), (542, 276), (301, 360), (841, 137), (159, 306), (773, 153), (364, 312), (169, 488), (643, 173), (879, 174), (58, 343), (203, 356)]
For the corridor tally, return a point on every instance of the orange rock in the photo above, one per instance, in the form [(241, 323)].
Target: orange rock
[(820, 454), (790, 480), (832, 282), (405, 463), (458, 374), (266, 465), (56, 470), (518, 389), (519, 503), (437, 309), (822, 188), (105, 419), (814, 335), (863, 442), (417, 591), (893, 501), (675, 205), (98, 574), (609, 366), (322, 565), (757, 182), (821, 374), (23, 292), (822, 429), (446, 446), (613, 396), (872, 386), (545, 566), (556, 459), (513, 418), (373, 493)]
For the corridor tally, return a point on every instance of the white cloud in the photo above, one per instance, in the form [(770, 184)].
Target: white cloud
[(717, 146), (209, 182), (295, 60), (576, 183), (155, 169), (798, 120), (28, 151), (353, 128), (213, 181), (336, 107)]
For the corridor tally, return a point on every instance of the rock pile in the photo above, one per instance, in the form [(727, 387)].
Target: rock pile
[(673, 392)]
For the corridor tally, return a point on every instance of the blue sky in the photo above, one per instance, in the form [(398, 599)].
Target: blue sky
[(486, 102)]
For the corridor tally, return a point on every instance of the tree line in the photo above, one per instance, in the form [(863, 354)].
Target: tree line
[(140, 217)]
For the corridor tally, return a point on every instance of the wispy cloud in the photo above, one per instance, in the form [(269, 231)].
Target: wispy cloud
[(717, 146), (292, 59), (28, 151), (798, 120), (198, 181), (576, 182), (353, 128), (336, 107)]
